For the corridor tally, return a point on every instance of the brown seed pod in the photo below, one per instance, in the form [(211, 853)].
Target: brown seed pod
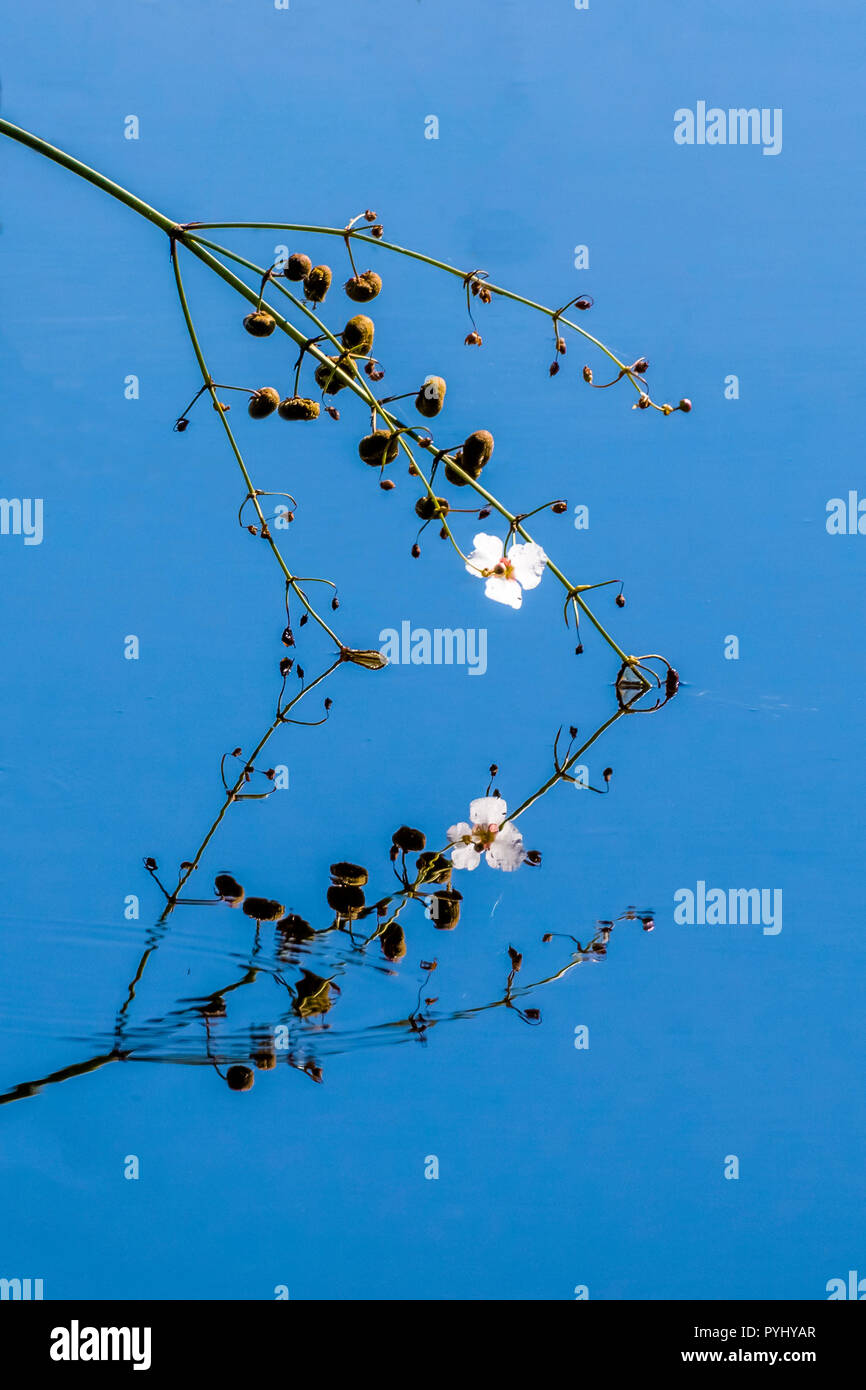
[(264, 1058), (354, 874), (260, 324), (263, 909), (298, 266), (472, 457), (240, 1078), (428, 507), (263, 402), (295, 928), (298, 408), (445, 909), (317, 282), (364, 287), (393, 942), (370, 659), (431, 398), (345, 899), (433, 867), (379, 448), (326, 376), (408, 839), (358, 334), (227, 887)]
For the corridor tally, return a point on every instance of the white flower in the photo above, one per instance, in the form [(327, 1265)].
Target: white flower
[(506, 575), (501, 845)]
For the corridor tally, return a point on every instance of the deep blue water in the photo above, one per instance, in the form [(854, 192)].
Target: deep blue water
[(559, 1167)]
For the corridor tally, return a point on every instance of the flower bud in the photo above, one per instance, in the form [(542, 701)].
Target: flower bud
[(409, 840), (240, 1078), (473, 340), (298, 266), (379, 448), (358, 334), (587, 375), (559, 507), (298, 408), (641, 366), (620, 600), (685, 405), (317, 282), (431, 398), (260, 324), (343, 872), (607, 774), (364, 287), (672, 682), (263, 402)]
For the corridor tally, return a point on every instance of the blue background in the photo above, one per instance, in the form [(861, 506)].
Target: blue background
[(558, 1167)]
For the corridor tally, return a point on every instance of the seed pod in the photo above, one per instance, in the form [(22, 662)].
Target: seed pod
[(317, 282), (370, 660), (409, 840), (240, 1078), (358, 334), (298, 266), (345, 899), (263, 402), (364, 287), (379, 448), (298, 408), (587, 375), (228, 888), (260, 324), (427, 507), (433, 867), (326, 376), (263, 909), (354, 874), (393, 942), (477, 449), (445, 909), (685, 405), (264, 1058), (431, 398), (295, 928)]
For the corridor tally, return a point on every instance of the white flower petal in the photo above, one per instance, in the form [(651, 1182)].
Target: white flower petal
[(487, 810), (465, 857), (506, 852), (456, 832), (506, 591), (528, 562), (487, 553)]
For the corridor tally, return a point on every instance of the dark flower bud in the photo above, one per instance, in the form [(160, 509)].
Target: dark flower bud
[(263, 909), (587, 375), (415, 551), (548, 936), (643, 402), (378, 231), (370, 660), (585, 302), (647, 923), (620, 600), (561, 345), (393, 942), (344, 872), (473, 339), (332, 411), (240, 1078), (150, 862), (641, 366), (298, 408), (387, 484), (317, 282), (345, 899), (379, 448), (326, 375), (364, 287), (228, 888), (260, 324), (358, 334), (578, 651), (533, 856), (533, 1014), (431, 398), (181, 424), (685, 405), (263, 402), (672, 682), (607, 774), (298, 266), (445, 909), (559, 507), (553, 369), (427, 507), (515, 957), (409, 840)]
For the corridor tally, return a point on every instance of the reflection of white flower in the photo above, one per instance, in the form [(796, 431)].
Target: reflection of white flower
[(502, 845), (506, 575)]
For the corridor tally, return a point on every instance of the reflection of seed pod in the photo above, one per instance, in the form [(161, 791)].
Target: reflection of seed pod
[(264, 1058), (263, 909), (393, 942), (409, 840), (358, 333), (379, 448), (312, 995), (317, 282), (327, 378), (434, 867), (263, 402), (445, 909), (228, 888), (427, 507), (298, 266), (364, 287), (346, 900), (240, 1078), (354, 874), (298, 408), (260, 324), (431, 398), (294, 928)]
